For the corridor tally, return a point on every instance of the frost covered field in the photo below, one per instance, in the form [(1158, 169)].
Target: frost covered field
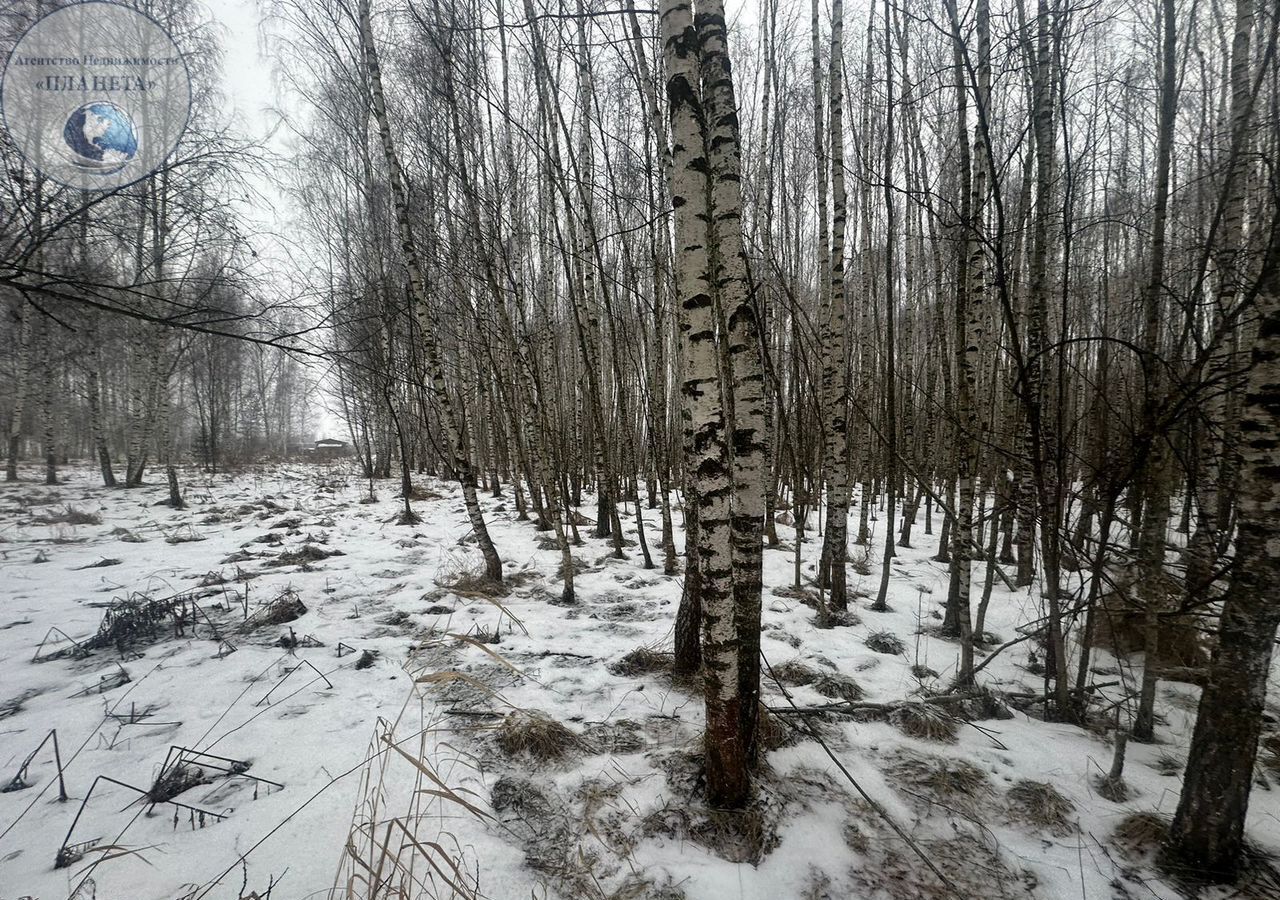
[(463, 742)]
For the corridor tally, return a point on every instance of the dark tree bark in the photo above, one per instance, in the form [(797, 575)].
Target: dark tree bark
[(1208, 827)]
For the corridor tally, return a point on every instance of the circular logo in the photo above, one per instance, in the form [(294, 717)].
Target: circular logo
[(95, 95), (101, 137)]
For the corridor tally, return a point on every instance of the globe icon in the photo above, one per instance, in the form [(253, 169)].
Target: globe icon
[(101, 137)]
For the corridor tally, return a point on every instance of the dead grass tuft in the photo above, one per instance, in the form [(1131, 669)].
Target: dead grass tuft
[(15, 705), (1270, 755), (772, 732), (302, 556), (622, 736), (838, 687), (1167, 764), (739, 836), (794, 673), (69, 516), (467, 579), (1040, 805), (184, 534), (975, 867), (953, 783), (534, 733), (861, 560), (885, 642), (286, 607), (642, 661), (175, 780), (923, 721), (1113, 789), (105, 562), (1139, 835)]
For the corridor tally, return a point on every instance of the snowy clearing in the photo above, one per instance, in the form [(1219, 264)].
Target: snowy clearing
[(505, 746)]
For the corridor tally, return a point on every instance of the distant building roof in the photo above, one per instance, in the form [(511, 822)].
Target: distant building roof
[(330, 442)]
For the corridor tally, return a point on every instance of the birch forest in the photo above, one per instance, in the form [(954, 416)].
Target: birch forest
[(574, 449)]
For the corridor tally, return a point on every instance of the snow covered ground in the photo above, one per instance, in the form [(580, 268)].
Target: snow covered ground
[(439, 761)]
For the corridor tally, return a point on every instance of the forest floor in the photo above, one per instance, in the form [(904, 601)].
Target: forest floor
[(496, 744)]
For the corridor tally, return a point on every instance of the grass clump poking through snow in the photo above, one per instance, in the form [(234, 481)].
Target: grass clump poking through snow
[(1269, 757), (920, 720), (1139, 835), (771, 731), (533, 733), (838, 687), (468, 579), (794, 673), (1040, 805), (1167, 764), (69, 516), (175, 780), (286, 607), (885, 642), (642, 661), (953, 783)]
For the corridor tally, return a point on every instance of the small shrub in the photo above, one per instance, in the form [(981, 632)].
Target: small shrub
[(532, 733), (885, 642), (137, 619), (861, 560)]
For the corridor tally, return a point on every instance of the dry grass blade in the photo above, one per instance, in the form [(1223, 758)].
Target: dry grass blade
[(502, 608), (453, 675), (497, 657), (114, 851), (424, 847), (426, 770)]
